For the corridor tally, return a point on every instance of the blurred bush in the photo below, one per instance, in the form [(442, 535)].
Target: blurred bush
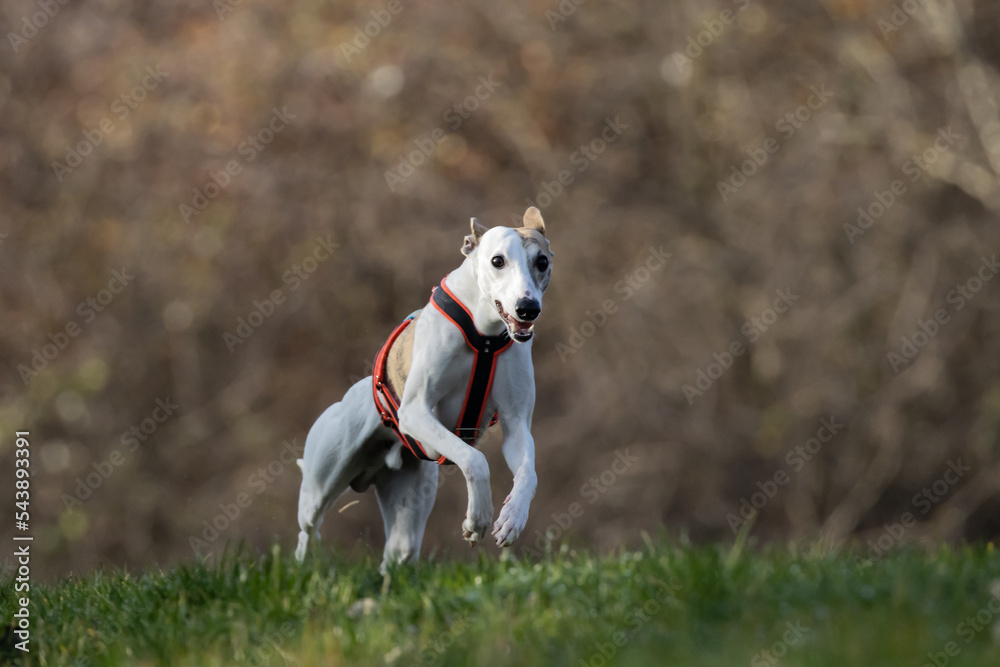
[(210, 151)]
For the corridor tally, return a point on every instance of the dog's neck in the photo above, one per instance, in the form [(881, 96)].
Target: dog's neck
[(464, 284)]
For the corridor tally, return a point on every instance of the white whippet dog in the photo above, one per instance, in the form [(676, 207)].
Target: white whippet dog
[(439, 362)]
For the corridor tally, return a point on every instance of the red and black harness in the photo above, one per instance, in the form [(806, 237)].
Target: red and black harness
[(487, 349)]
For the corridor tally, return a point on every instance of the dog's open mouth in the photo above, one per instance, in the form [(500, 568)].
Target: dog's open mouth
[(519, 331)]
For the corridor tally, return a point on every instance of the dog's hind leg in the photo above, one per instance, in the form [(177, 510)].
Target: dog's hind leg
[(406, 498), (338, 450)]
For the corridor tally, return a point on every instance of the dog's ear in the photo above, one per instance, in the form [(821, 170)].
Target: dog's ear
[(472, 240), (533, 220)]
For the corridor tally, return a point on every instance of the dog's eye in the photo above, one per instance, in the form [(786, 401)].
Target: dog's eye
[(497, 262), (542, 263)]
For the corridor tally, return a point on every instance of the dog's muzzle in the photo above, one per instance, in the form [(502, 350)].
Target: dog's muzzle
[(519, 330), (527, 309)]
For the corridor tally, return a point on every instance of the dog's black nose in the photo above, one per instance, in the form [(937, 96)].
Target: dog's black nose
[(527, 309)]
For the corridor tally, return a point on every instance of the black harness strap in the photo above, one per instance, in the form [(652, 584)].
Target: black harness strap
[(483, 368), (487, 348)]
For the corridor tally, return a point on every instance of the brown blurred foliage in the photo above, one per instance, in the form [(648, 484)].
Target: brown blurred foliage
[(562, 78)]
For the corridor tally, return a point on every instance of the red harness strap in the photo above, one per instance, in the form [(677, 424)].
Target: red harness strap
[(487, 349)]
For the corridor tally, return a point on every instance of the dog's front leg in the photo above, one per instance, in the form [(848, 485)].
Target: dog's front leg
[(519, 452), (417, 420)]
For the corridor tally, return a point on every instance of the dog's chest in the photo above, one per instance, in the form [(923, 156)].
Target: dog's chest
[(453, 376)]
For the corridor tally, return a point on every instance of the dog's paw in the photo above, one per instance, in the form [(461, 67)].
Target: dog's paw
[(474, 529), (510, 523)]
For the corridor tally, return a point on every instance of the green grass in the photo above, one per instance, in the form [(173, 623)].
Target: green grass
[(667, 604)]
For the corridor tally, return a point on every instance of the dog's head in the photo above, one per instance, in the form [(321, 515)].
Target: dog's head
[(513, 268)]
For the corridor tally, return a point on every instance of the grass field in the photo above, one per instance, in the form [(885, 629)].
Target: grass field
[(667, 604)]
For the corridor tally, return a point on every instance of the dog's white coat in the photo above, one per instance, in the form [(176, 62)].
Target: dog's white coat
[(349, 446)]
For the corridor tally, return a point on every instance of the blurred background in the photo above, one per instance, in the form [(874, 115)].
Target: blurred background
[(775, 226)]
